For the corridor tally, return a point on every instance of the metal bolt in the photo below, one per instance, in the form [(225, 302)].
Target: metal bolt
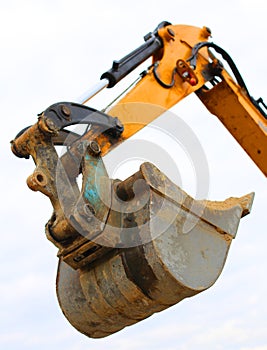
[(208, 30), (94, 148), (185, 75), (181, 64), (50, 125), (119, 124), (65, 110)]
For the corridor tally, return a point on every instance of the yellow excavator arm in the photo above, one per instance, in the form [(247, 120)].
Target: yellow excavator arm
[(173, 76), (128, 249)]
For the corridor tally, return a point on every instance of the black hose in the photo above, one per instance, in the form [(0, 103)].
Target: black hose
[(193, 59)]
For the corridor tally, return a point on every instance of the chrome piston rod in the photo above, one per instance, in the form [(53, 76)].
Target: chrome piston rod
[(92, 91)]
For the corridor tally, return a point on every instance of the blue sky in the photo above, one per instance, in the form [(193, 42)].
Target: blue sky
[(55, 50)]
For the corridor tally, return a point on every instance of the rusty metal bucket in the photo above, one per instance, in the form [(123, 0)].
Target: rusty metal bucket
[(127, 249), (174, 247)]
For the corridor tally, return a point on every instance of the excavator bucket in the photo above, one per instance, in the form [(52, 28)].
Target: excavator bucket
[(173, 247), (127, 249)]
